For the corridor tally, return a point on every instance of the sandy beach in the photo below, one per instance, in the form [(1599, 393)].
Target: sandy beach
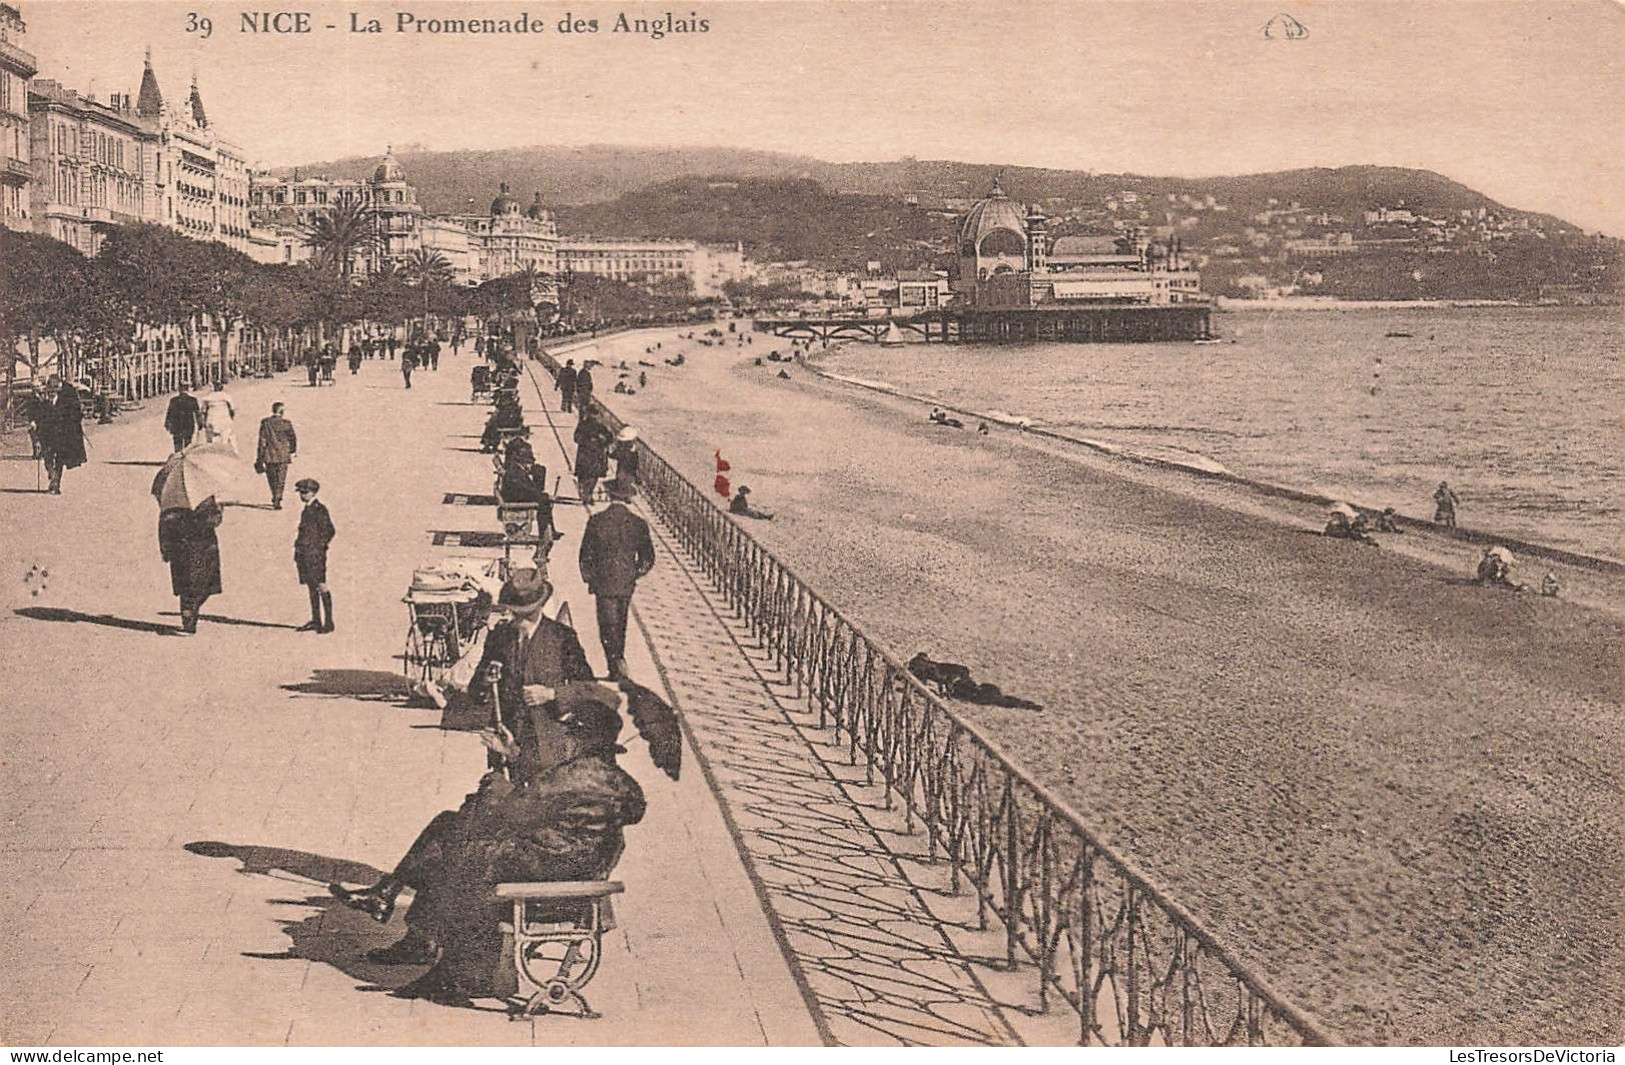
[(1394, 792)]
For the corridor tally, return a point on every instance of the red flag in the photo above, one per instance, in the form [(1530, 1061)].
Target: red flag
[(723, 465), (724, 489)]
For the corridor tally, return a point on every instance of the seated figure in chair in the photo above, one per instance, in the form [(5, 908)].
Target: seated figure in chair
[(553, 811)]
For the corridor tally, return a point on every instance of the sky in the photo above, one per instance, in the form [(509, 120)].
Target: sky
[(1523, 101)]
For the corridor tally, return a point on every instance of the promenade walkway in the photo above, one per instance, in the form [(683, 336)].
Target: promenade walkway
[(171, 808)]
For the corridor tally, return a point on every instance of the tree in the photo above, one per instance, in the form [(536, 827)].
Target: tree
[(44, 285), (337, 237), (427, 267)]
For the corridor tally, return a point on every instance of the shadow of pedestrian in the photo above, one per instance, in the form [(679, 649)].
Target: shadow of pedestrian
[(134, 462), (367, 685), (221, 619), (54, 613), (26, 491), (334, 934)]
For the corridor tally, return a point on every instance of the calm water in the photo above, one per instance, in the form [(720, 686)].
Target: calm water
[(1520, 409)]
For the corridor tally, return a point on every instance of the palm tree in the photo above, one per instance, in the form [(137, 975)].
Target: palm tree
[(427, 267), (341, 233)]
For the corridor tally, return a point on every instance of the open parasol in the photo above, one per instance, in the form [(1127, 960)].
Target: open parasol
[(193, 475), (1501, 553)]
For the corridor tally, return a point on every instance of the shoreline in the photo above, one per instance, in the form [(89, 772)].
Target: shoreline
[(1216, 472), (1333, 303)]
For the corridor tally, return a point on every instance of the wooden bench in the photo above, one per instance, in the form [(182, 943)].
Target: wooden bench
[(558, 940)]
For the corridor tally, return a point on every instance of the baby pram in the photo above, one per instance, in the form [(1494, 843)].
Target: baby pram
[(448, 603)]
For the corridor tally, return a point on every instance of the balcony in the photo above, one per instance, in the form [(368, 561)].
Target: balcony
[(22, 63), (17, 171)]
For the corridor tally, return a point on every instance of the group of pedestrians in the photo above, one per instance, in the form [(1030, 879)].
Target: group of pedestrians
[(187, 538)]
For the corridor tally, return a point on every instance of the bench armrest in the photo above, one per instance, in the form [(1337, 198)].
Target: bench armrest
[(560, 889)]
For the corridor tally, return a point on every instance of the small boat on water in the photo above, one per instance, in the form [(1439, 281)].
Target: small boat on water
[(1399, 334), (1208, 340)]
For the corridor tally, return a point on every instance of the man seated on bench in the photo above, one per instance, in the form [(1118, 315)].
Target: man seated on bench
[(555, 810)]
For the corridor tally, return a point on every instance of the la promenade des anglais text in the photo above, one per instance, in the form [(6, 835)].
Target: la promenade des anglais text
[(292, 23)]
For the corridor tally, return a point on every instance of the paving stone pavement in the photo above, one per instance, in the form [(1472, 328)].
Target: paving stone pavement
[(888, 955), (171, 808)]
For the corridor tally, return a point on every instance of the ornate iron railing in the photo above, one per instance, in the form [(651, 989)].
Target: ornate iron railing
[(1135, 965)]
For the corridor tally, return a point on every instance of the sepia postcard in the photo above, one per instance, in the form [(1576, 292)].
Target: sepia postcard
[(806, 523)]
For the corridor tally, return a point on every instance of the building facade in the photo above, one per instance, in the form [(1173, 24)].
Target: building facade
[(1006, 261), (90, 160), (17, 69), (291, 205), (197, 180), (625, 259), (512, 239)]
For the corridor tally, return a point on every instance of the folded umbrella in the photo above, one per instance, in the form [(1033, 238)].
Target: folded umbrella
[(196, 474)]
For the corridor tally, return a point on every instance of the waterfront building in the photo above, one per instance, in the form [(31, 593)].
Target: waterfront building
[(1006, 260), (90, 165), (17, 68), (631, 259), (512, 239), (453, 241), (716, 265), (291, 204), (198, 180)]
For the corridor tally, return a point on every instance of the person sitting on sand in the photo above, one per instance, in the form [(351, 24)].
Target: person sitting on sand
[(940, 417), (1495, 569), (981, 428), (1388, 521), (741, 506), (1549, 586), (1345, 523)]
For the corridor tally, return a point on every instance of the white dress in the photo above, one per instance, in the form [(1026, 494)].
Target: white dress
[(218, 426)]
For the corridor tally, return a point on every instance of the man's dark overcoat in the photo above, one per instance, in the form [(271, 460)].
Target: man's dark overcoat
[(181, 418), (616, 550), (62, 428)]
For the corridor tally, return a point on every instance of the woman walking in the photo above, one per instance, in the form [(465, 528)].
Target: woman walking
[(186, 540), (219, 417)]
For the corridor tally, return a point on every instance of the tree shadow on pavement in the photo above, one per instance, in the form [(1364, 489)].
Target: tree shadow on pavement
[(332, 935), (367, 685), (55, 613)]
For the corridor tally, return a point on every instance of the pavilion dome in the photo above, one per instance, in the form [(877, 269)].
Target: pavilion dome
[(389, 169), (998, 212), (504, 204), (537, 210)]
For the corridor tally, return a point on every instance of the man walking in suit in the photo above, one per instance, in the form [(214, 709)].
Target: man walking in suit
[(310, 555), (616, 551), (181, 418), (565, 382), (278, 446)]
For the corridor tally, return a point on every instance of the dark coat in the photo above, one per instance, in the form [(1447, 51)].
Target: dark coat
[(186, 540), (616, 550), (566, 381), (583, 388), (310, 545), (182, 416), (552, 656), (565, 825), (278, 441), (61, 428), (592, 460)]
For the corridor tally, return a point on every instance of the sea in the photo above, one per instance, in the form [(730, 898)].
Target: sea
[(1520, 409)]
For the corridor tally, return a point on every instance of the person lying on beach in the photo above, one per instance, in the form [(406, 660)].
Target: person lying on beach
[(741, 506), (939, 416), (955, 681)]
